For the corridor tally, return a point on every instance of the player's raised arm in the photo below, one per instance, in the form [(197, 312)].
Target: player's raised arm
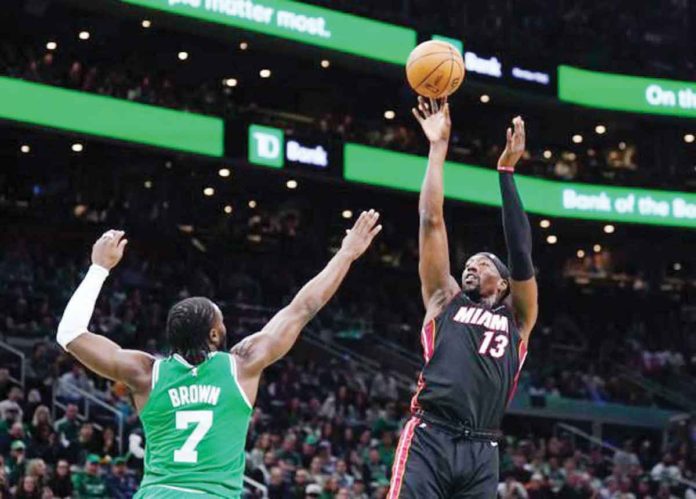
[(518, 233), (259, 350), (437, 284), (96, 352)]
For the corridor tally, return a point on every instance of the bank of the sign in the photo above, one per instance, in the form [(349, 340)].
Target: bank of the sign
[(300, 22)]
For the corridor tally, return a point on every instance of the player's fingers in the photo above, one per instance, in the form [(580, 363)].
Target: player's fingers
[(417, 115), (368, 221), (433, 105), (508, 135), (423, 107), (375, 231), (122, 244), (447, 115), (372, 220), (360, 221)]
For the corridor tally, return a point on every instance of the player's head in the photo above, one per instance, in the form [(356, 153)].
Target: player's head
[(484, 276), (195, 328)]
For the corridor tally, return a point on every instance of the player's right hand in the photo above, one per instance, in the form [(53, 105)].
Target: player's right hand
[(108, 250), (358, 238), (434, 117)]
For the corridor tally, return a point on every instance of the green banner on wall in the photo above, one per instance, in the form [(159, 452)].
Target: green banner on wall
[(627, 93), (479, 185), (91, 114), (300, 22)]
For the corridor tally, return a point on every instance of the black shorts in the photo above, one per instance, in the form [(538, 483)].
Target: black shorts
[(433, 463)]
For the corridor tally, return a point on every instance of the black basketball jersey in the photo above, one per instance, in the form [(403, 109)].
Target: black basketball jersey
[(473, 357)]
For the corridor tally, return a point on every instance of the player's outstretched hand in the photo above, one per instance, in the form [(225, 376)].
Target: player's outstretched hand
[(108, 250), (358, 238), (514, 145), (434, 117)]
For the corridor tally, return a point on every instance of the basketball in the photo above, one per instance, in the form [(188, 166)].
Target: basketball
[(435, 69)]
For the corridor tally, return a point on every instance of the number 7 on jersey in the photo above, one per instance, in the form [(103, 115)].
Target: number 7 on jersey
[(203, 421)]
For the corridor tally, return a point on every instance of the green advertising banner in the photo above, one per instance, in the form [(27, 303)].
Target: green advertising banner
[(266, 146), (81, 112), (300, 22), (479, 185), (627, 93)]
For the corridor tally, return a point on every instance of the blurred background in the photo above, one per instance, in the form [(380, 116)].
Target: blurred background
[(235, 141)]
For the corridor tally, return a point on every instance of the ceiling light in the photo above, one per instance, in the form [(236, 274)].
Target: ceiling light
[(545, 224), (389, 114), (243, 46), (552, 239), (265, 73), (228, 209), (182, 55), (252, 204), (347, 214), (291, 184), (77, 147), (622, 145), (148, 184), (485, 98), (689, 138), (84, 35), (146, 23), (25, 149), (600, 129), (230, 82), (325, 63), (577, 138), (547, 154), (677, 266), (51, 46), (580, 253), (208, 191), (597, 248), (609, 229), (224, 172)]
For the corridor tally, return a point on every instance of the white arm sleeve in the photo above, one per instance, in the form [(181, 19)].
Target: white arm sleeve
[(79, 311)]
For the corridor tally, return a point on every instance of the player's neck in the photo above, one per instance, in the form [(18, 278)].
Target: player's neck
[(489, 301)]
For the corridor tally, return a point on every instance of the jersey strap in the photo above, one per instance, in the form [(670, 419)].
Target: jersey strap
[(233, 371)]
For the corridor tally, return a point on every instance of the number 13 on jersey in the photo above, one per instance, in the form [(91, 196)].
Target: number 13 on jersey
[(496, 351)]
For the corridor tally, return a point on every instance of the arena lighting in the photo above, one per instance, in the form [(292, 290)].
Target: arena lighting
[(84, 35), (597, 248), (577, 138), (228, 209), (25, 149), (677, 266), (291, 184), (552, 239), (146, 23), (485, 98), (325, 63), (265, 73), (252, 204), (689, 138), (230, 82), (622, 145), (347, 214), (224, 172), (182, 55), (389, 114), (547, 154), (580, 253), (77, 147), (243, 46), (208, 191), (545, 224), (51, 46), (600, 129), (148, 184), (609, 229)]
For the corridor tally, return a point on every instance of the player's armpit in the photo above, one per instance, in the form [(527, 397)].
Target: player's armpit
[(525, 296), (107, 359)]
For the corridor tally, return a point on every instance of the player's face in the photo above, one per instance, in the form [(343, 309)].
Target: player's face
[(480, 276)]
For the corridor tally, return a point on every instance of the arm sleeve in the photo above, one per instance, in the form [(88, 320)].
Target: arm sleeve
[(78, 312), (518, 233)]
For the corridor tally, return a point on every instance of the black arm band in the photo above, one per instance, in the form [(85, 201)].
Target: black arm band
[(518, 233)]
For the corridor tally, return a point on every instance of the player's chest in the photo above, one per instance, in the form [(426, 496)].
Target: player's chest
[(482, 330)]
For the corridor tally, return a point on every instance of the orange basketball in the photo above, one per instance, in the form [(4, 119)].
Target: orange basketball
[(435, 69)]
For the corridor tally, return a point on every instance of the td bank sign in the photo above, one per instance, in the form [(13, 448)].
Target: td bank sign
[(268, 147)]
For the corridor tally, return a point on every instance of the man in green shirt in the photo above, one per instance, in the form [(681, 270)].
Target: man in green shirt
[(195, 405), (68, 427), (89, 483)]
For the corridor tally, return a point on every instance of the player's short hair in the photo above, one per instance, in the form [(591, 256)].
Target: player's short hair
[(188, 327)]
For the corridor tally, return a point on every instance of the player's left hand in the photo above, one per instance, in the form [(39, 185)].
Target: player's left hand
[(108, 250), (358, 238), (514, 145)]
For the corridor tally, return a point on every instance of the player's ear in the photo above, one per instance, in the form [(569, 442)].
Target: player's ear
[(215, 336)]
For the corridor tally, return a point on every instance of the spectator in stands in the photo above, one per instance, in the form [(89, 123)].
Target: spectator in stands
[(109, 446), (89, 483), (511, 489), (39, 367), (68, 427), (624, 459), (27, 488), (13, 403), (665, 470), (37, 469), (121, 482), (16, 434), (313, 491), (75, 378), (17, 462), (277, 487), (61, 481), (5, 384), (41, 418)]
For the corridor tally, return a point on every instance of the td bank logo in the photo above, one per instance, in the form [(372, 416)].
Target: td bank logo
[(266, 146)]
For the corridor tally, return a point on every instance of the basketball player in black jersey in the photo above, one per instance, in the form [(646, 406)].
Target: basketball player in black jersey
[(474, 336)]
